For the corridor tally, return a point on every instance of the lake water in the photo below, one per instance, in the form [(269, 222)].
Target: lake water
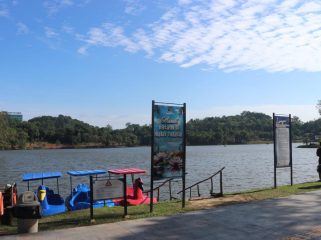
[(246, 166)]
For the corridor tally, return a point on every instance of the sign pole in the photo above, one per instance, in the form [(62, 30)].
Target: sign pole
[(125, 195), (274, 147), (184, 160), (151, 165), (92, 220), (290, 132)]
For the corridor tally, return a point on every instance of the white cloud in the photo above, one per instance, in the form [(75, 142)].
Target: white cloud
[(22, 28), (143, 42), (82, 50), (134, 7), (309, 7), (184, 2), (53, 6), (4, 11), (231, 35), (289, 4), (108, 36), (67, 29), (50, 33)]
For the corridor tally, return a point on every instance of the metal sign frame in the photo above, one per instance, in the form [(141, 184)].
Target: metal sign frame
[(154, 103), (275, 150), (92, 180)]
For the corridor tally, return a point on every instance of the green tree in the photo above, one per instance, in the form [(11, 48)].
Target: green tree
[(4, 131), (319, 106)]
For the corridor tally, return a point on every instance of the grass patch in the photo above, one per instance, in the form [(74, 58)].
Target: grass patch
[(282, 191), (108, 215), (165, 208)]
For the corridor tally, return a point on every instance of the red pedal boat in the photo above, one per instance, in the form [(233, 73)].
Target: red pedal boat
[(134, 195)]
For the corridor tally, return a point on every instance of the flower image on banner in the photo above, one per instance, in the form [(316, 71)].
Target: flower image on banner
[(168, 149)]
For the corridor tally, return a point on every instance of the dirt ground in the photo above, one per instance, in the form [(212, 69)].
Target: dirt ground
[(203, 203)]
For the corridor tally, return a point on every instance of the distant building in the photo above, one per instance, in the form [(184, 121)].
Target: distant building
[(14, 115)]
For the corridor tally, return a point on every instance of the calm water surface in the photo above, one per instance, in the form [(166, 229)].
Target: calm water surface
[(246, 166)]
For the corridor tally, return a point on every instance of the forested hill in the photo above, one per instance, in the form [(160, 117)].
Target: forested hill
[(67, 132), (248, 126)]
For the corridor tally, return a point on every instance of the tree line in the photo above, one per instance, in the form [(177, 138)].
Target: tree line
[(247, 127)]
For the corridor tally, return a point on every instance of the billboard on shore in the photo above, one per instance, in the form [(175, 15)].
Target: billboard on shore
[(168, 151), (282, 141)]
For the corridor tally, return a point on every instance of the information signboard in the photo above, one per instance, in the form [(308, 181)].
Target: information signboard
[(168, 144), (282, 144), (107, 189), (102, 188), (282, 141)]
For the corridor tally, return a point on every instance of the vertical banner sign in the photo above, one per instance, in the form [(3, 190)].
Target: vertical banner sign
[(282, 142), (168, 151), (168, 141)]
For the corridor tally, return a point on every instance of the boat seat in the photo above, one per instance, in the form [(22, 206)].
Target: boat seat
[(49, 191), (82, 197), (55, 199)]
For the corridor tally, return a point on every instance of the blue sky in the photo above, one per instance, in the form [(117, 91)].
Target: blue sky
[(103, 62)]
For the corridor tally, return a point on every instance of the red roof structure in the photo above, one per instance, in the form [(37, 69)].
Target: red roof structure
[(127, 171)]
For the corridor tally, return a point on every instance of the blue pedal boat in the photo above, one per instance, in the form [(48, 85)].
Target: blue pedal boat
[(51, 203), (79, 197)]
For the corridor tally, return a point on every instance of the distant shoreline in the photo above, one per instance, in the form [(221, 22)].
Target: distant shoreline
[(40, 146), (52, 146)]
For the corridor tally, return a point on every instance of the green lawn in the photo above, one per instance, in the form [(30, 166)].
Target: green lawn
[(282, 191), (115, 214)]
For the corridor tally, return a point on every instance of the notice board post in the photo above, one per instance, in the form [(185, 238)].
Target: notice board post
[(106, 188), (92, 220), (184, 152), (151, 161), (168, 144), (282, 139)]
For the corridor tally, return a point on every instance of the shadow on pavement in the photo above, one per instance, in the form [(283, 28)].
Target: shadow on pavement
[(269, 219)]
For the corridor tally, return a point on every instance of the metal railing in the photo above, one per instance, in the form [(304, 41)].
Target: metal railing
[(169, 181), (204, 180)]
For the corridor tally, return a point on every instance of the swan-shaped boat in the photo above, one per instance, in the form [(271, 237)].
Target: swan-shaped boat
[(134, 195), (51, 203)]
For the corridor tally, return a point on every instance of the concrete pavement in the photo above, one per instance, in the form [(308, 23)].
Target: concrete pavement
[(295, 217)]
